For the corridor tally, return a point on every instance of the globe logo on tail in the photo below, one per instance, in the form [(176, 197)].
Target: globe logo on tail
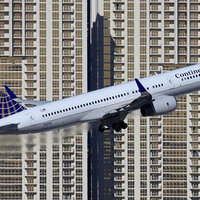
[(9, 106)]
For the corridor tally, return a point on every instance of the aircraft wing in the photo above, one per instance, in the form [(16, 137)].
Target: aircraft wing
[(121, 112), (8, 128), (25, 102)]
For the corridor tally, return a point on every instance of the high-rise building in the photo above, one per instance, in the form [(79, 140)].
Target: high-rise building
[(156, 157), (43, 55)]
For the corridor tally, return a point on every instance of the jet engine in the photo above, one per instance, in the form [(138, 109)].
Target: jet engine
[(159, 106)]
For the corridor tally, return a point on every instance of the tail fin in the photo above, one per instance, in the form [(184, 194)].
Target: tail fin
[(10, 92), (8, 106)]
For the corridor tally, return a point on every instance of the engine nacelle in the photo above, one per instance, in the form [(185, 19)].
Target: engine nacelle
[(159, 106)]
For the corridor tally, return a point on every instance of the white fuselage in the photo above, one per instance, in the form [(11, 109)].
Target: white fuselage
[(94, 105)]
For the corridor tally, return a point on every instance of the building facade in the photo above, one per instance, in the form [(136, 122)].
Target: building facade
[(43, 56), (156, 157)]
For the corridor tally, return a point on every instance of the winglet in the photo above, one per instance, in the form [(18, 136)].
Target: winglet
[(10, 92), (140, 86)]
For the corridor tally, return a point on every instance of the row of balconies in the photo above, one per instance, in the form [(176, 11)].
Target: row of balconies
[(29, 34)]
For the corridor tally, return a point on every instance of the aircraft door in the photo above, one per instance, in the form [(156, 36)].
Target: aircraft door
[(170, 82), (31, 118)]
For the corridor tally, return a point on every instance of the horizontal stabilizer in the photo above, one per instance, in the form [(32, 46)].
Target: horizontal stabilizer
[(23, 101), (8, 128)]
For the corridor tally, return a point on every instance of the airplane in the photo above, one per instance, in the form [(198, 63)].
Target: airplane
[(153, 95)]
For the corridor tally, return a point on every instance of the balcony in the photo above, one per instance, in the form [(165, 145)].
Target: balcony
[(68, 19), (119, 35), (68, 175), (68, 182), (67, 10), (69, 2), (155, 179), (155, 162), (68, 149), (68, 27)]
